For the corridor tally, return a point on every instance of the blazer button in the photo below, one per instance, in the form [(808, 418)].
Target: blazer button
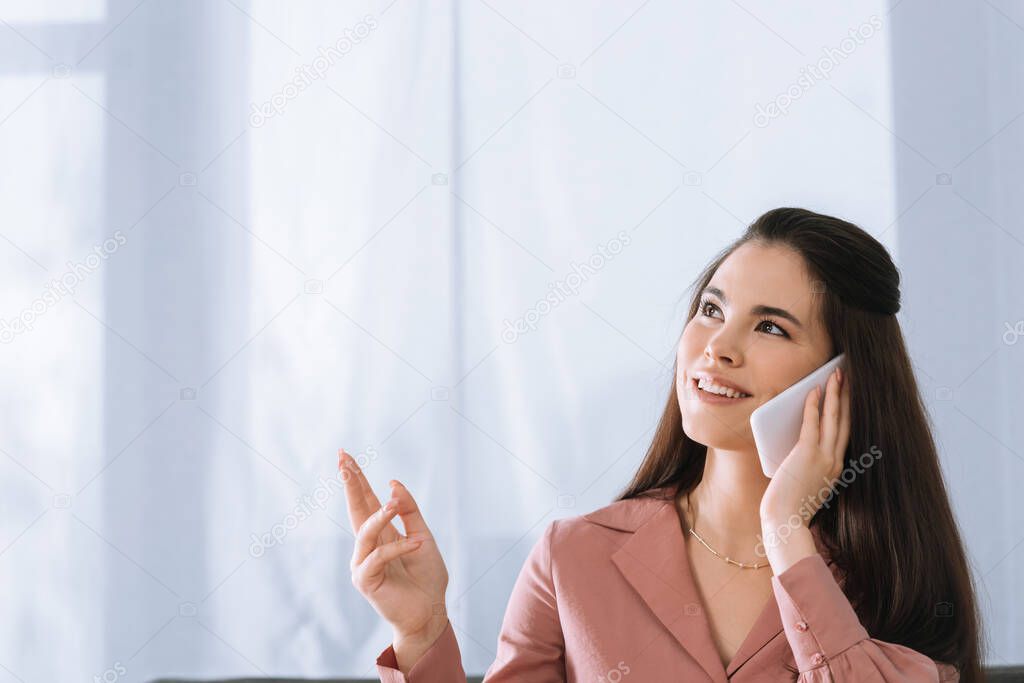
[(818, 658), (801, 626)]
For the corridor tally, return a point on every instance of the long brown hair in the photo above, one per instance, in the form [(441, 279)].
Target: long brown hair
[(891, 531)]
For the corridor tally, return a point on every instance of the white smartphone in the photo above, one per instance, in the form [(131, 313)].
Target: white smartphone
[(776, 424)]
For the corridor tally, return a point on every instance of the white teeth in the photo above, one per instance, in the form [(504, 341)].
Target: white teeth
[(709, 386)]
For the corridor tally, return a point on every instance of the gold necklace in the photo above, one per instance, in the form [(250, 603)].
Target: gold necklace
[(741, 565)]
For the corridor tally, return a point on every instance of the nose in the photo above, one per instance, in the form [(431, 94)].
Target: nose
[(722, 349)]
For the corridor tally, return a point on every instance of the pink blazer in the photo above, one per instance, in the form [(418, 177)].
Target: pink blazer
[(607, 597)]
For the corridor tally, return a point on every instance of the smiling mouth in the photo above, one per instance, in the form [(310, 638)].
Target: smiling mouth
[(713, 392)]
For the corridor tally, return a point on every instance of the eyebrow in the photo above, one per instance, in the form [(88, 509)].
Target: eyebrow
[(760, 309)]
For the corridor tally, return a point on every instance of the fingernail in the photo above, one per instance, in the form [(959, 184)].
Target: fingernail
[(839, 375)]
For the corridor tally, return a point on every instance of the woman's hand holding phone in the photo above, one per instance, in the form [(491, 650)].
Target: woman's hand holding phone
[(817, 457), (403, 578), (815, 463)]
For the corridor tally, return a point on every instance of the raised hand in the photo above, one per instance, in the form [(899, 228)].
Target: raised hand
[(403, 577)]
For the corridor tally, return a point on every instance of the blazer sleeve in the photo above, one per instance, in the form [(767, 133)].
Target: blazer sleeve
[(530, 645), (828, 640)]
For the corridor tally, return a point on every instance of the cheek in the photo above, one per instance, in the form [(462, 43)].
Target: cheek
[(688, 342), (684, 355), (688, 352), (771, 385)]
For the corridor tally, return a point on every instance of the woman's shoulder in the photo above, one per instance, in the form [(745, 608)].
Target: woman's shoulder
[(576, 554), (620, 515)]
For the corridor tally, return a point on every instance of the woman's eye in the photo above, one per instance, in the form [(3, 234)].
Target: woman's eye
[(772, 324), (705, 305)]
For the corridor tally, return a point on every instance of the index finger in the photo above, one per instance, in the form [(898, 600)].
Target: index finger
[(359, 496), (844, 419), (831, 413), (809, 426)]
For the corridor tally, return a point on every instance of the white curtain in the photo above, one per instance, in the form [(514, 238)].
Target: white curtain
[(454, 238)]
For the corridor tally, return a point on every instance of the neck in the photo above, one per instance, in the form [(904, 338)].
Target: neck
[(724, 508)]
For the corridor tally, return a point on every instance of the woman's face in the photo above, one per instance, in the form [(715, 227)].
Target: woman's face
[(758, 352)]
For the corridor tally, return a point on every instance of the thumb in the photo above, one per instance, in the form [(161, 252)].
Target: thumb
[(409, 510)]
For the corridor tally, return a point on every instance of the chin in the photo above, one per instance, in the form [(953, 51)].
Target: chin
[(720, 436)]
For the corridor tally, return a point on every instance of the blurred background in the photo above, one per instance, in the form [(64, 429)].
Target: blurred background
[(455, 239)]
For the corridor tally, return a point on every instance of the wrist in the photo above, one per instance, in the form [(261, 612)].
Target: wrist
[(774, 520), (424, 636), (428, 632), (410, 646), (786, 544)]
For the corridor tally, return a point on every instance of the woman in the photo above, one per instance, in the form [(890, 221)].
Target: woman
[(846, 565)]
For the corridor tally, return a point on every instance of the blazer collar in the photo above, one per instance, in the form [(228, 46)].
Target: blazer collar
[(654, 562)]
